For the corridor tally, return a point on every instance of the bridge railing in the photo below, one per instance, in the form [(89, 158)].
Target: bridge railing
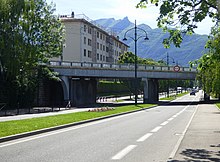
[(117, 66)]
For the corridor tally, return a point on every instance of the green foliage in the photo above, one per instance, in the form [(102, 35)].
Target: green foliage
[(208, 65), (180, 17), (163, 84), (111, 88), (29, 34), (129, 58)]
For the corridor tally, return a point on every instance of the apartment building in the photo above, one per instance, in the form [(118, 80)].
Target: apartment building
[(87, 42)]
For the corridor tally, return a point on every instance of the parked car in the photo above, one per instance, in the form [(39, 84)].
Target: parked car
[(192, 93)]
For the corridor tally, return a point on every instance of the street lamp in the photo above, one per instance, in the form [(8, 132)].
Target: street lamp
[(135, 39), (168, 60)]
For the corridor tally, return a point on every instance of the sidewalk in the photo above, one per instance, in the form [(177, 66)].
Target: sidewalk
[(201, 142), (36, 115)]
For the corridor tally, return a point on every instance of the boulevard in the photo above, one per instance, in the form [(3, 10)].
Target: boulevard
[(149, 135)]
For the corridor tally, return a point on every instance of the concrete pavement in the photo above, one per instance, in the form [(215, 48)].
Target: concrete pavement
[(201, 143)]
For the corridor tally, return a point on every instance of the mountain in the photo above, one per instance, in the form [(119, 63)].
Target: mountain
[(192, 47)]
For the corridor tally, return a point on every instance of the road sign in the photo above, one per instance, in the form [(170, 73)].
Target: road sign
[(176, 68)]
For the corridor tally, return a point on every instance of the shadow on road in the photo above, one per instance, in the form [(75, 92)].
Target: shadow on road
[(187, 102)]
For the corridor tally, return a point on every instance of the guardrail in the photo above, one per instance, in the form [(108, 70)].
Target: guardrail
[(118, 66)]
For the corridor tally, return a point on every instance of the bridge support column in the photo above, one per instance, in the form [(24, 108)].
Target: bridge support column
[(151, 89), (83, 91), (66, 87)]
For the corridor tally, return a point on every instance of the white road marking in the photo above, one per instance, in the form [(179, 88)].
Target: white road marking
[(156, 129), (170, 119), (143, 138), (174, 116), (183, 134), (123, 152), (164, 123)]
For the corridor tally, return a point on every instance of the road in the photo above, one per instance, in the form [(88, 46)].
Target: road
[(146, 136)]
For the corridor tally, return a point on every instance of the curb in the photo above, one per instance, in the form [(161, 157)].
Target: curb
[(45, 130)]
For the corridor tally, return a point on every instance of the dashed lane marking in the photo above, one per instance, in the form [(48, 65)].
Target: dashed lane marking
[(123, 152), (143, 138), (156, 129), (164, 123)]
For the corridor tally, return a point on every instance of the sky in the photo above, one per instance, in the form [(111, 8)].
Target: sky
[(118, 9)]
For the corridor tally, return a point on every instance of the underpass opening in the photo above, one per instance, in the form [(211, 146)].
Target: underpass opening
[(56, 97)]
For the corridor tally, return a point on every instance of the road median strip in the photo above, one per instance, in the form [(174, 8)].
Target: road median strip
[(10, 130)]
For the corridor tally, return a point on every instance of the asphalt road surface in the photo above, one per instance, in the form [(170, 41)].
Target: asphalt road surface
[(146, 136)]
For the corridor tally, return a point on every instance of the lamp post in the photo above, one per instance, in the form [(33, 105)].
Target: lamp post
[(135, 39), (168, 60)]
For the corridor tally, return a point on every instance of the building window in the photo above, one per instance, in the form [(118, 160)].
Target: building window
[(84, 40), (89, 54), (100, 46), (97, 34), (106, 49), (85, 52), (101, 36), (97, 56), (89, 42), (90, 30), (97, 45), (101, 57), (84, 28), (103, 48), (120, 45)]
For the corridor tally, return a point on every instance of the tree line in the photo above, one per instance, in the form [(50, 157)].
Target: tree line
[(181, 17), (30, 34)]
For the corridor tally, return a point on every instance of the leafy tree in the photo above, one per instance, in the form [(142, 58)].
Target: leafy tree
[(29, 35), (208, 64), (180, 17), (129, 58)]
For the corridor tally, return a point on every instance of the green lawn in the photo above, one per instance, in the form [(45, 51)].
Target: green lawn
[(218, 104), (20, 126), (173, 97)]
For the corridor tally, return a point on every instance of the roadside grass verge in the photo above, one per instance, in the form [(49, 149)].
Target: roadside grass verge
[(170, 98), (8, 128), (173, 97), (218, 105)]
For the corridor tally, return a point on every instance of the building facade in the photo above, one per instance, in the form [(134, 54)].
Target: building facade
[(87, 42)]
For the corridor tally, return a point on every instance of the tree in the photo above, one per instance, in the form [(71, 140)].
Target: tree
[(180, 17), (208, 65), (129, 58), (29, 36)]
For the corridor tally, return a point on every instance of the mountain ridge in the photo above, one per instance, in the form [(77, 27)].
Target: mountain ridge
[(192, 47)]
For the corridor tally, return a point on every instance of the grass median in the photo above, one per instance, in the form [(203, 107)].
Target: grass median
[(218, 105), (20, 126), (173, 97)]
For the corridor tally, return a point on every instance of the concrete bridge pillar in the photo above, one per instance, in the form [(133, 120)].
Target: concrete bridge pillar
[(66, 86), (151, 89)]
